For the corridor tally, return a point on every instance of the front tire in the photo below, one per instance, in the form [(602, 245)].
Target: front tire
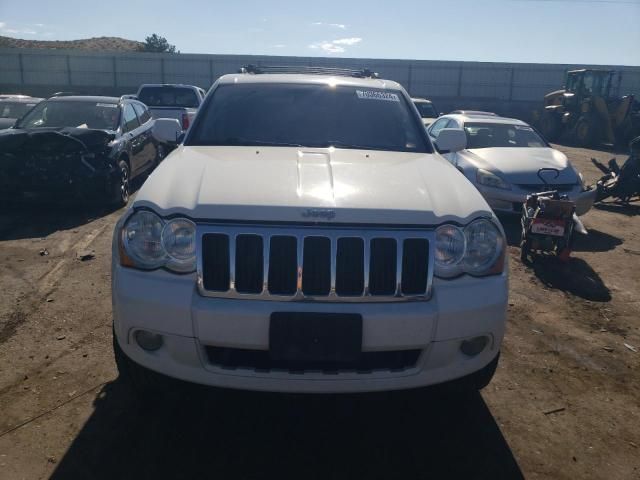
[(122, 187), (145, 383), (585, 132), (550, 126)]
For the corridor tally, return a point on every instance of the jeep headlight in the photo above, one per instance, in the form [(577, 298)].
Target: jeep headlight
[(477, 249), (488, 179), (148, 242), (450, 248)]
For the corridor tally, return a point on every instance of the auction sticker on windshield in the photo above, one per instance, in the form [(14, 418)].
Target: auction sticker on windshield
[(373, 95)]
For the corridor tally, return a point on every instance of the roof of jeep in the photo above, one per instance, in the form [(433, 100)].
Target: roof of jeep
[(309, 79), (485, 119)]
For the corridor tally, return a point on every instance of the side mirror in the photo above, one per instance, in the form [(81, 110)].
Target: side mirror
[(451, 140), (167, 130)]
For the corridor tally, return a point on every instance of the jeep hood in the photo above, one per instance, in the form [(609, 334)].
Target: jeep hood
[(275, 184), (520, 165)]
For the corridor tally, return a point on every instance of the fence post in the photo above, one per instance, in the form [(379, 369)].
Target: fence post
[(162, 70), (69, 82), (115, 73), (20, 64), (511, 86), (460, 81)]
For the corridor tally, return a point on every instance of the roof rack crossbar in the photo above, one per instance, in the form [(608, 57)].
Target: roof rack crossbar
[(317, 70)]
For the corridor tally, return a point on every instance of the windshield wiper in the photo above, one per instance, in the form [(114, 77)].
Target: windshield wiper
[(239, 141)]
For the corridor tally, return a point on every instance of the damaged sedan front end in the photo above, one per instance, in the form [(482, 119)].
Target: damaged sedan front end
[(78, 147), (67, 161)]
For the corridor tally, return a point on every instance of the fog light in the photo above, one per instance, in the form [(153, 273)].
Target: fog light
[(148, 341), (473, 346)]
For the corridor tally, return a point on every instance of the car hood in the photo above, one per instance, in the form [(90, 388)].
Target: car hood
[(54, 140), (521, 165), (276, 184)]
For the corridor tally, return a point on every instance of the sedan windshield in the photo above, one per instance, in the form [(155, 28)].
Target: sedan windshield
[(426, 110), (166, 96), (72, 113), (309, 115), (487, 135), (14, 109)]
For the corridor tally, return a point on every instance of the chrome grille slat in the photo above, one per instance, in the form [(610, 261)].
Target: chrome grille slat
[(399, 253), (333, 234), (232, 262)]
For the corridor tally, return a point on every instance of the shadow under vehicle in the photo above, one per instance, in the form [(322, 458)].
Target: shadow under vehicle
[(232, 434), (82, 147), (589, 110)]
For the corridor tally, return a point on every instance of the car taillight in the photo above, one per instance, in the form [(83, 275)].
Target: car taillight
[(185, 121)]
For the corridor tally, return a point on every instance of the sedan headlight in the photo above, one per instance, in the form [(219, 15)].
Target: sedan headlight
[(488, 179), (477, 249), (148, 242)]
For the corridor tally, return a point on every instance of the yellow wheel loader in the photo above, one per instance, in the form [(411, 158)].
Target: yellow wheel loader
[(588, 112)]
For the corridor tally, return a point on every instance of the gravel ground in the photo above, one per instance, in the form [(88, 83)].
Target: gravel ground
[(564, 402)]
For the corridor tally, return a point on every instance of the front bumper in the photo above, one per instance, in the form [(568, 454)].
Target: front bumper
[(47, 180), (510, 201), (169, 304)]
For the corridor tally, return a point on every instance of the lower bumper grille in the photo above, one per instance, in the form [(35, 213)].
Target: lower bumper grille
[(260, 360)]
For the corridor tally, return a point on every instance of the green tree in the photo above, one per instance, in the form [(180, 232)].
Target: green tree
[(156, 43)]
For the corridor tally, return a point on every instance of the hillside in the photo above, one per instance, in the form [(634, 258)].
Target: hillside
[(98, 43)]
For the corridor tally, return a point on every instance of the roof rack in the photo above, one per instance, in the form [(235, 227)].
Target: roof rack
[(342, 72)]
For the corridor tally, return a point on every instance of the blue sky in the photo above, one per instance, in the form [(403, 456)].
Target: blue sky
[(596, 31)]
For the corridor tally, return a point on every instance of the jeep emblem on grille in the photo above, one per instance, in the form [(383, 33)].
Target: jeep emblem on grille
[(319, 213)]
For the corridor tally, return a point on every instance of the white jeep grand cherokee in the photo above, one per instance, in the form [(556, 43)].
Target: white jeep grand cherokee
[(306, 237)]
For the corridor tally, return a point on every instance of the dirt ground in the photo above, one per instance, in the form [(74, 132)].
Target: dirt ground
[(565, 402)]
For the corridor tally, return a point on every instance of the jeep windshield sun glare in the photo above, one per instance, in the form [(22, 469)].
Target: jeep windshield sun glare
[(307, 237)]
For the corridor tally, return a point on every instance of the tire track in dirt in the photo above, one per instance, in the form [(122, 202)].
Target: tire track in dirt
[(46, 285)]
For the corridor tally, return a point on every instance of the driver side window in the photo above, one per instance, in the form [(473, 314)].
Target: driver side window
[(130, 120)]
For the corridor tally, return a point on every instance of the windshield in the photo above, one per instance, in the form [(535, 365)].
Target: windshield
[(14, 109), (164, 96), (487, 135), (310, 116), (426, 110), (72, 113)]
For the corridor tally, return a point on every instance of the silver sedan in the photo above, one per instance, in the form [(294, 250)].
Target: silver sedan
[(506, 160)]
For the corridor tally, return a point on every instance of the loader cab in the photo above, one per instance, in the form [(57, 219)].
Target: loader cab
[(588, 83)]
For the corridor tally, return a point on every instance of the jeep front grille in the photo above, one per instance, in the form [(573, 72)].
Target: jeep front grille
[(314, 263)]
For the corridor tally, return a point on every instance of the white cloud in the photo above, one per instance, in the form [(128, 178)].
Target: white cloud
[(335, 46), (16, 31), (341, 26), (327, 47), (278, 45), (347, 41)]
